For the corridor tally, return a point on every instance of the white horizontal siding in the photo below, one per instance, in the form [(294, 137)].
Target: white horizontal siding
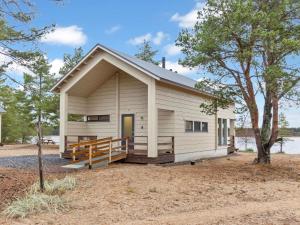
[(186, 107), (133, 100), (103, 102), (77, 105)]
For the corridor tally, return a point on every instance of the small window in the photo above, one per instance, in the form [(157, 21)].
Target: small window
[(75, 118), (188, 126), (98, 118), (204, 127), (197, 126)]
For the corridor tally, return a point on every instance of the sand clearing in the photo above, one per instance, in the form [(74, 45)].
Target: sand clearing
[(222, 191)]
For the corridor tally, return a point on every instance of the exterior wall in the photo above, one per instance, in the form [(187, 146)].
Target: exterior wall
[(133, 100), (102, 102), (190, 145)]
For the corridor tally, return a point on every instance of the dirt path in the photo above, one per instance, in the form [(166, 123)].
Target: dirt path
[(282, 211), (223, 191)]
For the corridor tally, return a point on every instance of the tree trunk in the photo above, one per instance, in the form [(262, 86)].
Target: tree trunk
[(41, 175), (263, 153)]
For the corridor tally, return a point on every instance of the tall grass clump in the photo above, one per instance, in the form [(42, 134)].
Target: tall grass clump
[(51, 200)]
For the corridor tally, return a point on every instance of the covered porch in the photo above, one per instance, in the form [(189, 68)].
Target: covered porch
[(101, 101)]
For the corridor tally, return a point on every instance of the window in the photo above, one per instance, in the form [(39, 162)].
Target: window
[(75, 118), (204, 127), (188, 126), (98, 118), (197, 126), (222, 131)]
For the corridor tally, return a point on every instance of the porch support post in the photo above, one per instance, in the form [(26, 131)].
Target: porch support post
[(118, 133), (63, 122), (152, 120)]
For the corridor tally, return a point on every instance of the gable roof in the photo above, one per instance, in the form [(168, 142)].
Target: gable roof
[(150, 69)]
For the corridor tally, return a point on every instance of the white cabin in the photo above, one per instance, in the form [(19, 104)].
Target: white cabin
[(111, 94)]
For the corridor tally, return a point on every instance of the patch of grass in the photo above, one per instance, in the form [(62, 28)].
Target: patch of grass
[(35, 201), (55, 187), (249, 150)]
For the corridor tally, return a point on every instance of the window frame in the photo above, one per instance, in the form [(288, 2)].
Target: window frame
[(98, 118), (192, 128), (200, 126), (204, 131)]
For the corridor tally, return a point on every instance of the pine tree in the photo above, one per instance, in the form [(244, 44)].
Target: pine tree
[(146, 53), (70, 61), (43, 103)]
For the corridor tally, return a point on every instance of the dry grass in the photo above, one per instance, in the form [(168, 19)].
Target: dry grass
[(35, 201)]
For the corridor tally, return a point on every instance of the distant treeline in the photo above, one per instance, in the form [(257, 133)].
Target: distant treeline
[(248, 132)]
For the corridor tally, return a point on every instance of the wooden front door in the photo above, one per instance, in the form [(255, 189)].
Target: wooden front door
[(128, 127)]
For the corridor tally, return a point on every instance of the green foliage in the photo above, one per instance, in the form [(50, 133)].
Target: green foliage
[(146, 53), (246, 47), (15, 30), (71, 60), (35, 202), (37, 88), (283, 126), (234, 38), (16, 122)]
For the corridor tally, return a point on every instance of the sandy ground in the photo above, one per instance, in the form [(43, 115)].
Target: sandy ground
[(18, 169), (222, 191), (21, 150)]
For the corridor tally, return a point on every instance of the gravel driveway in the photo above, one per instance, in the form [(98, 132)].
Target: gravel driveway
[(27, 159)]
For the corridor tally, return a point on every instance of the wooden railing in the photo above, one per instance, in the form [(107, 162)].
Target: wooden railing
[(96, 151), (139, 144), (76, 139)]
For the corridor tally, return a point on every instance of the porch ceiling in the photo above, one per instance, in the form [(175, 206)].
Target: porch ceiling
[(93, 79)]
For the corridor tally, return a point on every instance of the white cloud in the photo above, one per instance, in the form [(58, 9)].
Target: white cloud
[(172, 50), (160, 36), (140, 39), (13, 68), (113, 29), (71, 36), (179, 68), (56, 64), (188, 20), (156, 39)]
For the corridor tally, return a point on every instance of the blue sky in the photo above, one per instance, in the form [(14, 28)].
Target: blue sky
[(118, 24), (121, 25)]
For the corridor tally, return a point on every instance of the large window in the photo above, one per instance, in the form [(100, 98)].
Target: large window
[(98, 118), (196, 126), (188, 126), (222, 131), (75, 117)]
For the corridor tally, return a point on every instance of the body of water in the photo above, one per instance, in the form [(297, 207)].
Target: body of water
[(290, 146)]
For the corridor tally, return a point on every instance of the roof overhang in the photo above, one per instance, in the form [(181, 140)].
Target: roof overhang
[(97, 49), (84, 61)]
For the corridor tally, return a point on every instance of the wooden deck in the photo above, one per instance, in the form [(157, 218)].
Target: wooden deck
[(135, 148)]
